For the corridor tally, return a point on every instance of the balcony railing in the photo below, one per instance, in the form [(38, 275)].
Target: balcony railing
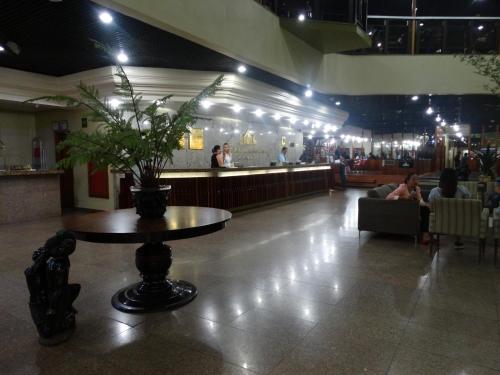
[(432, 35), (348, 11)]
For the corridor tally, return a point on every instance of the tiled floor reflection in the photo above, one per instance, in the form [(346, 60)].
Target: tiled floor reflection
[(288, 289)]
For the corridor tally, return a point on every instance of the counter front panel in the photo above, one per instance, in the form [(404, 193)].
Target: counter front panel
[(233, 189)]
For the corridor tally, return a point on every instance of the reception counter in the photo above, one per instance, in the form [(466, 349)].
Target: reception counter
[(29, 195), (238, 188)]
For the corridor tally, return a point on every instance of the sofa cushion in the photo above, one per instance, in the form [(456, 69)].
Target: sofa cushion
[(382, 191)]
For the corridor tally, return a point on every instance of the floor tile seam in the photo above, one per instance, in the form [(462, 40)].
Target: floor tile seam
[(209, 354), (458, 358), (228, 325), (294, 347), (467, 316), (462, 313)]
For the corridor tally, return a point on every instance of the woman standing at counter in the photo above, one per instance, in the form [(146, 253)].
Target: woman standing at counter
[(227, 156), (216, 161)]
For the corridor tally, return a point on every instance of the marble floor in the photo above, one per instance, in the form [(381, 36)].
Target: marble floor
[(287, 289)]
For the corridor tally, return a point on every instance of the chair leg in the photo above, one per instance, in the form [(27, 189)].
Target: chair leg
[(496, 251)]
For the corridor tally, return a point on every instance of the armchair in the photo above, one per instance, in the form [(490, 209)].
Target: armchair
[(458, 217)]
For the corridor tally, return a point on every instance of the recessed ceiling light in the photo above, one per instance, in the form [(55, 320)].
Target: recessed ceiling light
[(370, 33), (258, 112), (105, 17), (338, 103), (206, 104), (2, 49), (414, 98), (242, 69), (421, 24), (429, 111), (277, 116), (456, 127), (306, 122), (480, 27), (308, 93), (236, 108), (379, 44), (122, 57), (438, 118), (114, 103), (292, 120), (301, 17)]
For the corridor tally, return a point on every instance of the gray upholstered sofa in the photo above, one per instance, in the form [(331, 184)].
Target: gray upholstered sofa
[(376, 214)]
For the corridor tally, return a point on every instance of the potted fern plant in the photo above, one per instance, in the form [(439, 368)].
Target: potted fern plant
[(134, 137)]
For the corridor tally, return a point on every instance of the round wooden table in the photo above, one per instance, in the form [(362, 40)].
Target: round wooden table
[(154, 258)]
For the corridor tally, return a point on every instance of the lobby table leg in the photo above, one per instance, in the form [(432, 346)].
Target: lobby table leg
[(155, 291)]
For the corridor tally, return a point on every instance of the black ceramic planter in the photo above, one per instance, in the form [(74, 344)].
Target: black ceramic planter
[(151, 202)]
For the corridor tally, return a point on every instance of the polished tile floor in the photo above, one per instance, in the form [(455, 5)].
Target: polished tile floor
[(287, 289)]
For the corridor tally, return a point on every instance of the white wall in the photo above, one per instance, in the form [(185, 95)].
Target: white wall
[(44, 129), (262, 153), (229, 27), (17, 130)]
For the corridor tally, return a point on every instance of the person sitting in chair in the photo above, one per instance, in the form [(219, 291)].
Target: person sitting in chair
[(449, 188)]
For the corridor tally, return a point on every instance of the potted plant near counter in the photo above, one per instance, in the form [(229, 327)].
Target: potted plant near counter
[(134, 137)]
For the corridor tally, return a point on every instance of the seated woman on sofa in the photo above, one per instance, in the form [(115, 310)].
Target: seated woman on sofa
[(409, 190), (449, 188)]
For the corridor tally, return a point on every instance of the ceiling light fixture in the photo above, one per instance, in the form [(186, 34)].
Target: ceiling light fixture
[(308, 93), (301, 17), (2, 49), (306, 122), (480, 27), (114, 103), (236, 108), (206, 104), (414, 98), (122, 57), (421, 24), (338, 103), (242, 69), (292, 120), (379, 44), (456, 127), (438, 118), (105, 17), (429, 111), (258, 112)]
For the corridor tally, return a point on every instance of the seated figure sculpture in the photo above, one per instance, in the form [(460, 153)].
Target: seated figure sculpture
[(51, 297)]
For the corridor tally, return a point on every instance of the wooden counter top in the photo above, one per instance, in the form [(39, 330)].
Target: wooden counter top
[(234, 172), (17, 173)]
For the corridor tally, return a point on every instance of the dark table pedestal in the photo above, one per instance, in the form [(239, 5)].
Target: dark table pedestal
[(155, 291)]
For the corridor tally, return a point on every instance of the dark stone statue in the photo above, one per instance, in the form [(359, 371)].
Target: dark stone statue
[(51, 297)]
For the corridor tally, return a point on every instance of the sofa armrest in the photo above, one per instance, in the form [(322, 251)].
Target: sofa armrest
[(389, 216)]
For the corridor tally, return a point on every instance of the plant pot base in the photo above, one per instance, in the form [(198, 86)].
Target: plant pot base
[(150, 202)]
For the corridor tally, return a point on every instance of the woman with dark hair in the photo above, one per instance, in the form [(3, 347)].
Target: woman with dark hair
[(408, 190), (216, 160), (449, 188)]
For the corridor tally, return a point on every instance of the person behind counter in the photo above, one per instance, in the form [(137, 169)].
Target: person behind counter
[(227, 156), (282, 156), (216, 161)]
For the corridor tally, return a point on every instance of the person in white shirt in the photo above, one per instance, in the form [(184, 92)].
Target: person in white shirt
[(282, 156), (227, 155)]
